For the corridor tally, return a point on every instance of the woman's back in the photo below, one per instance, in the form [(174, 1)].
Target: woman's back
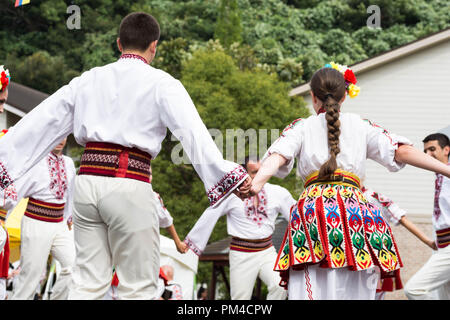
[(306, 140)]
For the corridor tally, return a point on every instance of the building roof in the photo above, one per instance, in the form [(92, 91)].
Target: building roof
[(23, 99), (219, 250), (389, 56)]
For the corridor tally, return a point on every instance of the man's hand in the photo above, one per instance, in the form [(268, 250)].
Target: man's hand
[(69, 223), (243, 191)]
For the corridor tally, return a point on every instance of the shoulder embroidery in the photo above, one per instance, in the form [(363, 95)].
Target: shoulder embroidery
[(290, 126), (384, 131)]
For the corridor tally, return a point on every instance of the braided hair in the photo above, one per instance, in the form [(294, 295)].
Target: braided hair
[(329, 86)]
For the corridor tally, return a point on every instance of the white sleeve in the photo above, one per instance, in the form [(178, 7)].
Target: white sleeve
[(381, 146), (286, 201), (71, 173), (26, 185), (34, 136), (165, 219), (288, 145), (390, 211), (178, 113), (198, 237)]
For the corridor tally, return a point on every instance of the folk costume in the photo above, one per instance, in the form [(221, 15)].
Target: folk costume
[(120, 112), (44, 230), (334, 231), (393, 214), (251, 224), (335, 236), (434, 277)]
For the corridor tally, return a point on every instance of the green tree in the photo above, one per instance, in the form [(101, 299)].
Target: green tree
[(228, 27), (41, 71)]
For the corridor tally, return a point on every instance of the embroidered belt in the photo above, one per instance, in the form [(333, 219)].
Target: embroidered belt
[(341, 178), (44, 211), (247, 245), (443, 238), (113, 160), (3, 213)]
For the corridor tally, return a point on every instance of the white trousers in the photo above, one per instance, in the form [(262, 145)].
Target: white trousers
[(432, 281), (315, 283), (115, 224), (38, 240), (245, 267), (2, 288)]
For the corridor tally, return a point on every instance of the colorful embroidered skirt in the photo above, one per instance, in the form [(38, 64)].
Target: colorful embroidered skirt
[(335, 226)]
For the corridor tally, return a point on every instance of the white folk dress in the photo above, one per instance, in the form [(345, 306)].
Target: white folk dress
[(333, 229)]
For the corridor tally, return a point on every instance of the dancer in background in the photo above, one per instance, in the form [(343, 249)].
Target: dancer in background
[(434, 276), (395, 216), (251, 224)]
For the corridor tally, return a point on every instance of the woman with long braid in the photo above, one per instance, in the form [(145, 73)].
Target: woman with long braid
[(336, 237)]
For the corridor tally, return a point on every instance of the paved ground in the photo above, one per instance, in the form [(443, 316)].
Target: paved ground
[(413, 252)]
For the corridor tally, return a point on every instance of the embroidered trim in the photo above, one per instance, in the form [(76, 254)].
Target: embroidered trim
[(256, 215), (290, 126), (193, 247), (44, 211), (384, 131), (228, 182), (308, 284), (58, 175), (133, 56), (6, 183)]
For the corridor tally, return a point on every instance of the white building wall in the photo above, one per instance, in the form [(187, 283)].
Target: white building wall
[(3, 124), (410, 97)]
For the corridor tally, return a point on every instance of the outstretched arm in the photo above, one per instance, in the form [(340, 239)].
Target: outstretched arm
[(416, 231), (181, 246), (412, 156), (268, 168)]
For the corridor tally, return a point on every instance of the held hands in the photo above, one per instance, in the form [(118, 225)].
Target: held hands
[(243, 191), (181, 247), (69, 222), (432, 244)]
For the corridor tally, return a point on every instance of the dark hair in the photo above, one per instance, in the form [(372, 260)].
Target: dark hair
[(441, 138), (137, 30), (328, 85), (248, 159)]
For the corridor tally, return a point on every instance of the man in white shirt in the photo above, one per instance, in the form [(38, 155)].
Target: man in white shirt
[(251, 224), (120, 112), (44, 226), (435, 274)]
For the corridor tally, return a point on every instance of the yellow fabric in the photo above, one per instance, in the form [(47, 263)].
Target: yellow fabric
[(13, 226)]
